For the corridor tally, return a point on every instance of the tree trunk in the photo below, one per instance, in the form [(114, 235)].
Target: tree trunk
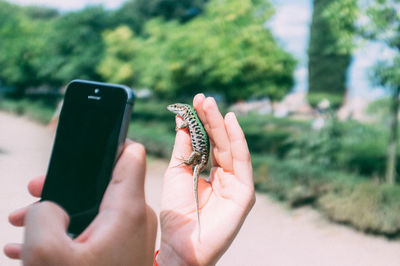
[(392, 147)]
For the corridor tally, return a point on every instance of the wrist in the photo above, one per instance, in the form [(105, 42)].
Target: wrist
[(166, 255)]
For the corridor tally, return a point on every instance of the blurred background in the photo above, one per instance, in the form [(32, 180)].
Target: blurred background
[(315, 85)]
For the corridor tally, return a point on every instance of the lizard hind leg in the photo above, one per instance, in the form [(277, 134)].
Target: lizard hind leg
[(193, 159)]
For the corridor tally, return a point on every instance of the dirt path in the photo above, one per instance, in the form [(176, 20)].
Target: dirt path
[(272, 235)]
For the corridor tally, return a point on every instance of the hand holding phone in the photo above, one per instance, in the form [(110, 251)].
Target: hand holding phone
[(123, 232)]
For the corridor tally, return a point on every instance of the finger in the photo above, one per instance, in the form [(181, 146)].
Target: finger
[(35, 186), (198, 101), (45, 227), (17, 217), (182, 149), (218, 135), (240, 151), (13, 250), (127, 182), (46, 233)]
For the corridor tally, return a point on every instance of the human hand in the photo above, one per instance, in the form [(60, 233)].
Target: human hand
[(123, 232), (224, 203)]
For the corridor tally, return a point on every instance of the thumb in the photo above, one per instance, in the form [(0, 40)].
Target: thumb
[(126, 187), (182, 149), (45, 238)]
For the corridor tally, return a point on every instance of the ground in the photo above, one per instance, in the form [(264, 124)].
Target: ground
[(271, 235)]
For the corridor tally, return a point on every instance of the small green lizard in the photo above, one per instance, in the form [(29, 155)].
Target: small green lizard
[(200, 144)]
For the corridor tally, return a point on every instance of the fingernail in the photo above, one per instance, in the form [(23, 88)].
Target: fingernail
[(230, 114), (209, 102), (199, 95)]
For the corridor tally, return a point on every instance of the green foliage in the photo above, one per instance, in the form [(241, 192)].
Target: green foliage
[(21, 46), (319, 147), (344, 198), (383, 21), (153, 126), (327, 66), (39, 47), (341, 17), (40, 12), (227, 50), (348, 146), (267, 134), (368, 207), (335, 100), (75, 45), (36, 110), (296, 181), (388, 73), (118, 66), (135, 13)]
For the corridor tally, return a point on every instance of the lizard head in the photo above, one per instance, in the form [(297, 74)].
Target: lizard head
[(178, 108)]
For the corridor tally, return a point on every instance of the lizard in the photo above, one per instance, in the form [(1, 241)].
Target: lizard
[(200, 144)]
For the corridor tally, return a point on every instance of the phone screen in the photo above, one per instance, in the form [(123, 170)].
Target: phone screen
[(84, 151)]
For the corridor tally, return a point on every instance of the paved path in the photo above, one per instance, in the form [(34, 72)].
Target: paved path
[(272, 235)]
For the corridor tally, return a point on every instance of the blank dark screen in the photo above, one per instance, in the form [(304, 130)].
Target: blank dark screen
[(84, 152)]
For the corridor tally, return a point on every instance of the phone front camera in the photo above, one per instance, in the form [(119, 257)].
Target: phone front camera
[(96, 90)]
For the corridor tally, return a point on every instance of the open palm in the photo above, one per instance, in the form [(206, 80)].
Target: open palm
[(224, 202)]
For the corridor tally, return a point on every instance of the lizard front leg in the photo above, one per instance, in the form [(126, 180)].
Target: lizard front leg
[(181, 125)]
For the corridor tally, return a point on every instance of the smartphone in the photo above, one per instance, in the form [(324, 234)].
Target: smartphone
[(90, 135)]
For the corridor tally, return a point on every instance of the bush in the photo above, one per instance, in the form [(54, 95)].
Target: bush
[(267, 134), (294, 181), (342, 197), (335, 100), (368, 207), (157, 139), (36, 110)]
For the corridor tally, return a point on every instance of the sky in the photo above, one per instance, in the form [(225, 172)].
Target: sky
[(290, 25)]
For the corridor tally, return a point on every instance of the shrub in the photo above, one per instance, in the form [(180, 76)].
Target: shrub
[(342, 197), (267, 134), (368, 207), (36, 110), (315, 98)]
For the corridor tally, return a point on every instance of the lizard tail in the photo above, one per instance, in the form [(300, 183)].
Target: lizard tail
[(196, 196)]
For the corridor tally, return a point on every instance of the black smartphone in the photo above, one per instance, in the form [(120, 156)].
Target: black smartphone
[(90, 135)]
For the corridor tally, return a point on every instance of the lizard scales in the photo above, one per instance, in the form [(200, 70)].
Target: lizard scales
[(200, 144)]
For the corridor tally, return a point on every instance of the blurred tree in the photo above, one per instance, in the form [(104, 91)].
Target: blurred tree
[(227, 51), (328, 61), (40, 47), (75, 46), (121, 51), (135, 13), (22, 43), (384, 25), (388, 74), (378, 20), (40, 12)]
